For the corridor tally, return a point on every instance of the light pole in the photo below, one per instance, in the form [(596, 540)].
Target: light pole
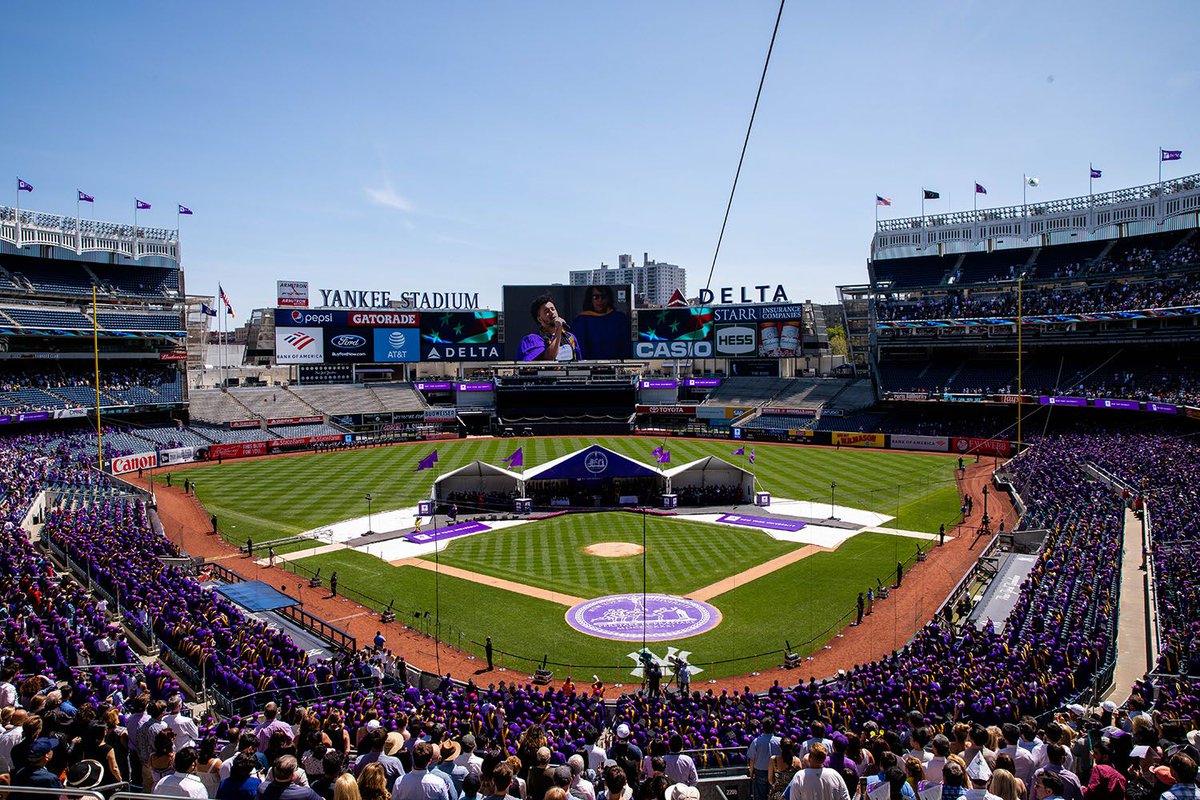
[(832, 502), (368, 499), (986, 520)]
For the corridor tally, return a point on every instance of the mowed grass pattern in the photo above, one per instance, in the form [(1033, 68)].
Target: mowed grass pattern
[(681, 556), (275, 498)]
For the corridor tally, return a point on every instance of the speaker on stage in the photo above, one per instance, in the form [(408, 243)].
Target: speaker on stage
[(762, 499), (670, 501), (522, 505), (425, 508)]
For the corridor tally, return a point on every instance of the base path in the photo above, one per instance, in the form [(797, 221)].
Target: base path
[(488, 580), (754, 573)]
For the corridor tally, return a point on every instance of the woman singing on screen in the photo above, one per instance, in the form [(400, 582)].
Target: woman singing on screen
[(551, 341)]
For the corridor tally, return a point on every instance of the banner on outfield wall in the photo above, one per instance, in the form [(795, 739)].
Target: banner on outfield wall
[(177, 455), (70, 413), (934, 444), (849, 439), (123, 464), (314, 420), (238, 424), (440, 414), (982, 447), (247, 449), (667, 411)]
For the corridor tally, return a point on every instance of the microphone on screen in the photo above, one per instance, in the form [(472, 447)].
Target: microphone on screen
[(562, 323)]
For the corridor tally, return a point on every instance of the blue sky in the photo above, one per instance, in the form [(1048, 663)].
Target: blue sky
[(460, 146)]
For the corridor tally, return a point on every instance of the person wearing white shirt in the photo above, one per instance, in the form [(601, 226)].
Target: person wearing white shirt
[(1054, 735), (580, 788), (937, 761), (11, 738), (1022, 758), (186, 731), (816, 781), (680, 767), (183, 781), (918, 742), (8, 691), (420, 783)]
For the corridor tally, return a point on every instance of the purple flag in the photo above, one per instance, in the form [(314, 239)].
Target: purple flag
[(979, 189), (751, 459), (517, 459), (663, 456), (22, 186), (140, 205), (84, 197), (1171, 155), (658, 451), (427, 462), (185, 211), (741, 451), (1095, 172)]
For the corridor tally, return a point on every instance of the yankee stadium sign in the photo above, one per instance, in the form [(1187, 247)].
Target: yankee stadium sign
[(375, 298)]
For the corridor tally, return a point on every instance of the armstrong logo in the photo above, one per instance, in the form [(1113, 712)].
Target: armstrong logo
[(348, 341), (299, 340), (596, 462)]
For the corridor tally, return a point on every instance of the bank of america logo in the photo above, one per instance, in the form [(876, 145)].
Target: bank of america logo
[(299, 340)]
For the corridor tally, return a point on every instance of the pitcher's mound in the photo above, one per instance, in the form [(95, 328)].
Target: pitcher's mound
[(613, 549)]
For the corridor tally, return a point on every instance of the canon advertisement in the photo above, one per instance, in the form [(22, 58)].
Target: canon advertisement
[(567, 323)]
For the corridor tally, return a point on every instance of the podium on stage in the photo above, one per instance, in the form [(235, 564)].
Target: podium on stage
[(424, 508), (522, 505), (670, 501), (762, 499)]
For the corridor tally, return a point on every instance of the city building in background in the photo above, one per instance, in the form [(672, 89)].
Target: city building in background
[(653, 281)]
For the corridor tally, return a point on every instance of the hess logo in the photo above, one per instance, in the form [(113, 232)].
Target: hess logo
[(348, 341), (736, 339)]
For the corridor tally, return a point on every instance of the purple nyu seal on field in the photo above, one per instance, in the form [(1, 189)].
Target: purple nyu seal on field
[(623, 617)]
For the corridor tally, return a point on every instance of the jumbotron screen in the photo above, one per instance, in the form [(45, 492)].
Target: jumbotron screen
[(595, 323)]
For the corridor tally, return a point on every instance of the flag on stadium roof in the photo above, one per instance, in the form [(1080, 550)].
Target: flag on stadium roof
[(22, 186), (1031, 181), (1170, 155), (225, 299), (185, 210), (516, 458), (84, 197), (979, 189), (140, 205), (929, 194), (741, 451), (880, 200), (1096, 173), (427, 462)]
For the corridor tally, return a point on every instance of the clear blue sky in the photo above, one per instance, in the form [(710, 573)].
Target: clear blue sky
[(455, 145)]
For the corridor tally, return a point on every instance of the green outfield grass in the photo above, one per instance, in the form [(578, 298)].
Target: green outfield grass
[(276, 498), (804, 603)]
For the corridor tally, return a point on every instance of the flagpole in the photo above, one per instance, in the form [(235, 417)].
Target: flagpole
[(1024, 195), (135, 229), (96, 357), (1160, 152), (78, 243), (1091, 172), (18, 213)]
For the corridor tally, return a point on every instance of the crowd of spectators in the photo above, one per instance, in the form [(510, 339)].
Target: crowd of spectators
[(13, 378), (983, 302), (868, 720)]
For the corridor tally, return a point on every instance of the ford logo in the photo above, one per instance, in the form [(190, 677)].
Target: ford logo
[(347, 340)]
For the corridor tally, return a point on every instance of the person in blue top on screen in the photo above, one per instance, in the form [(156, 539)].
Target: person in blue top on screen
[(551, 341), (603, 331)]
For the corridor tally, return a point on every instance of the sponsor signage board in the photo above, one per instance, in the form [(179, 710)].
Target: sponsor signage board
[(313, 420), (791, 412), (702, 383), (439, 414), (983, 447), (933, 444), (1062, 401), (239, 424), (668, 410), (174, 355), (759, 313), (397, 345), (851, 439), (657, 385), (735, 340), (674, 333), (70, 413), (433, 386), (1162, 408), (123, 464), (1120, 405), (597, 318), (473, 387), (908, 395), (349, 345), (296, 318), (763, 293), (292, 294), (460, 336), (177, 455), (299, 346)]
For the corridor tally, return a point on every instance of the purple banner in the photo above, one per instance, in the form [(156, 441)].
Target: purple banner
[(766, 523), (38, 416), (1062, 401), (474, 387), (1161, 408), (657, 385), (703, 383), (433, 386), (1122, 405), (5, 419), (440, 534)]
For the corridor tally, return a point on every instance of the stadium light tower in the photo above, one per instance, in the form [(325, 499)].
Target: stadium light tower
[(368, 499)]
